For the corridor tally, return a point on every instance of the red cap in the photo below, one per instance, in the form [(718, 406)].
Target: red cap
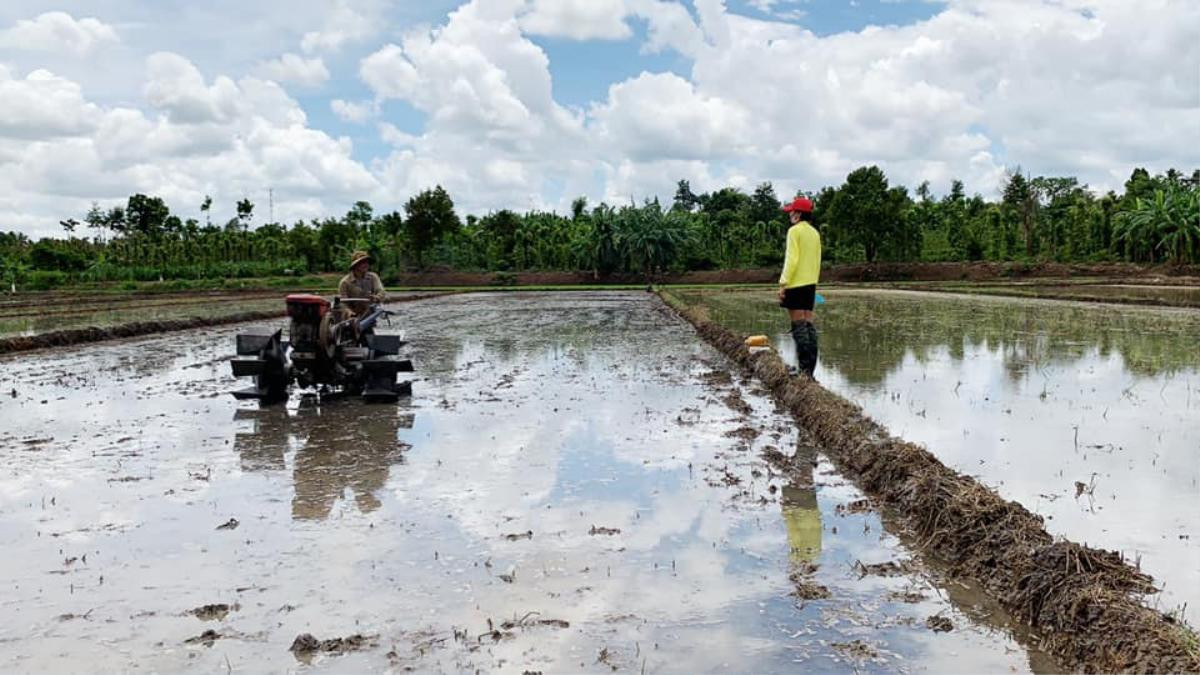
[(802, 204)]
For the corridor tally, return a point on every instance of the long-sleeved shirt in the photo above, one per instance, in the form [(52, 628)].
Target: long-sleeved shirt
[(368, 286), (802, 262)]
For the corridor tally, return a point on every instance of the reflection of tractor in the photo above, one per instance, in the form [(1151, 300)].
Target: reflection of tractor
[(330, 347)]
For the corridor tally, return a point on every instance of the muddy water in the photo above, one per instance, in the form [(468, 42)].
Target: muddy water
[(576, 486), (1088, 414)]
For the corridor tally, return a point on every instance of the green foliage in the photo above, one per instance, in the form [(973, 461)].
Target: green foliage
[(245, 211), (650, 240), (871, 216), (146, 215), (1165, 226), (56, 254), (685, 200), (596, 248), (429, 216), (1155, 219)]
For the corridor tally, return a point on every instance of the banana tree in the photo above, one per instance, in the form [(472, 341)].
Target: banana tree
[(1179, 232), (651, 240)]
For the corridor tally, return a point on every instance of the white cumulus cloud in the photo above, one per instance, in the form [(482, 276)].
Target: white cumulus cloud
[(345, 23), (43, 105), (662, 116), (1088, 88), (295, 69), (57, 31), (577, 19), (350, 111), (221, 137)]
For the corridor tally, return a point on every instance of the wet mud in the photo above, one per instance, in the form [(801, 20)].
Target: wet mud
[(62, 338), (571, 488), (1086, 604), (71, 336)]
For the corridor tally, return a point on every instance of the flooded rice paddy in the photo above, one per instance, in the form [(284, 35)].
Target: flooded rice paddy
[(578, 484), (1087, 414), (36, 313)]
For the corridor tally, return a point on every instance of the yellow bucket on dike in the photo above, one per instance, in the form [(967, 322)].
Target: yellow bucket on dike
[(758, 341)]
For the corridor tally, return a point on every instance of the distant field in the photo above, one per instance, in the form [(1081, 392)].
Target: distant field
[(1180, 292), (39, 312)]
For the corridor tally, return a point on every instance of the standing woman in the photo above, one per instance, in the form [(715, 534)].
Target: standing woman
[(798, 282)]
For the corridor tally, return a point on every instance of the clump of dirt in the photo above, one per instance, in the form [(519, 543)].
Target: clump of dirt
[(939, 624), (856, 506), (743, 433), (717, 378), (889, 568), (306, 644), (909, 596), (856, 650), (207, 638), (801, 578), (737, 404), (214, 612), (528, 621), (805, 587), (71, 617), (1085, 602)]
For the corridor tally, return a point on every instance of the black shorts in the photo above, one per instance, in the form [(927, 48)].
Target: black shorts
[(800, 297)]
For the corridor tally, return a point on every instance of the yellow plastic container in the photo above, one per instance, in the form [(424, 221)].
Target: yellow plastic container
[(758, 341)]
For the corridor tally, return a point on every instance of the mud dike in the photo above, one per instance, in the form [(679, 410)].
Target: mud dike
[(1083, 602)]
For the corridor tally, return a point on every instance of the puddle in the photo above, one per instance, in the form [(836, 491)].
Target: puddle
[(1084, 413), (574, 486)]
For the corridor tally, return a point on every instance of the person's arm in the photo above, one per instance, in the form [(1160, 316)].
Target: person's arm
[(344, 288), (377, 292), (791, 259)]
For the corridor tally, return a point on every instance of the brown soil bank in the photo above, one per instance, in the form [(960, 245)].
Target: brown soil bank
[(1082, 601), (847, 273), (985, 271), (60, 338)]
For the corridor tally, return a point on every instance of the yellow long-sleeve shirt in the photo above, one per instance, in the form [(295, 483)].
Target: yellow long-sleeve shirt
[(802, 262)]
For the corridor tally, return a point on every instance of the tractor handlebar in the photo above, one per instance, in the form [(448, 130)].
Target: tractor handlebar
[(374, 314)]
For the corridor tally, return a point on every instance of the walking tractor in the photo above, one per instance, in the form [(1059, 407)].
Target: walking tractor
[(329, 348)]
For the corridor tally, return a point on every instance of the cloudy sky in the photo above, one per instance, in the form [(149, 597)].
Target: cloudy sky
[(530, 103)]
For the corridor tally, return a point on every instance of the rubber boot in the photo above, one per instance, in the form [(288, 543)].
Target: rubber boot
[(804, 334)]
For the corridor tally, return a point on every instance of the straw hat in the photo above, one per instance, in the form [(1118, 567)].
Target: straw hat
[(359, 256)]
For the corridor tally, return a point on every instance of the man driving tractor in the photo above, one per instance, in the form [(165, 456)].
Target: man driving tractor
[(361, 283)]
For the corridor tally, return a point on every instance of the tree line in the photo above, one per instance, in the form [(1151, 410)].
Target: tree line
[(1156, 218)]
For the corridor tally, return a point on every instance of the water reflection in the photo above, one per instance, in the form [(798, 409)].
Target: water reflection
[(263, 444), (801, 515), (1030, 397), (340, 445), (866, 335)]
